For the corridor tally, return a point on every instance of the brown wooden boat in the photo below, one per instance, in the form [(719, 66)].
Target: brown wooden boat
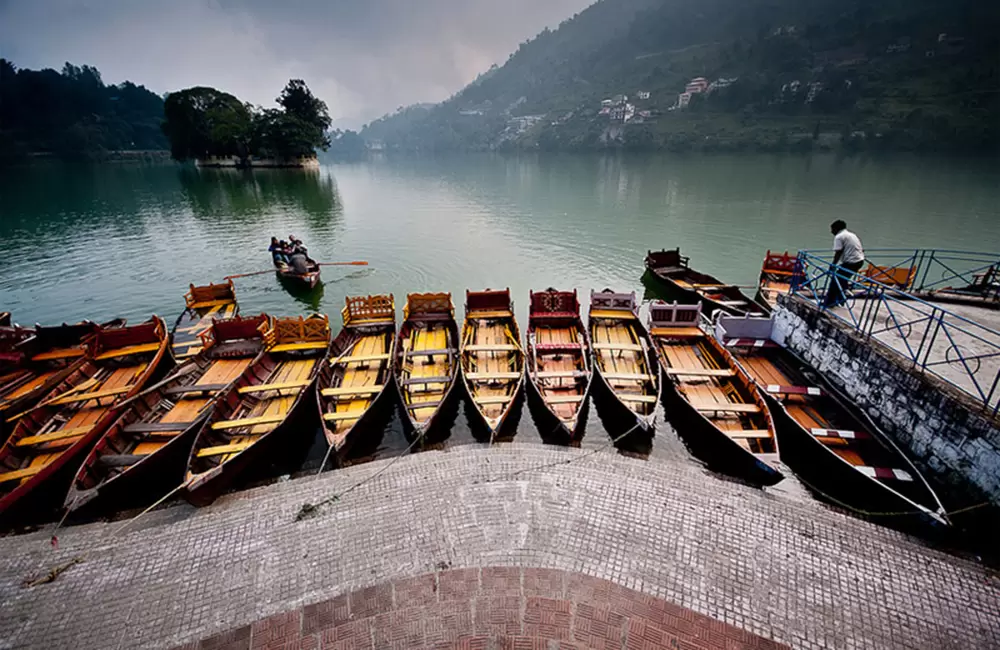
[(671, 268), (144, 453), (355, 385), (307, 280), (427, 365), (12, 338), (825, 438), (39, 459), (775, 278), (266, 411), (492, 363), (624, 359), (716, 406), (201, 305), (559, 364)]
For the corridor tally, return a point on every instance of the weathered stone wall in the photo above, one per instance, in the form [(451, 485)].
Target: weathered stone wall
[(944, 431)]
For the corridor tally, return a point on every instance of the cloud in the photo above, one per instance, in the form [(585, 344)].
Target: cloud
[(363, 57)]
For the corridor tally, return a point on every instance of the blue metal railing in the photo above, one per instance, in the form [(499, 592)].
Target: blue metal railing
[(960, 351)]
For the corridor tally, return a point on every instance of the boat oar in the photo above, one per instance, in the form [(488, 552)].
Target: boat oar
[(354, 263), (186, 369), (247, 275)]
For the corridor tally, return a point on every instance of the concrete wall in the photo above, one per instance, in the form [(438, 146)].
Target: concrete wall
[(944, 431)]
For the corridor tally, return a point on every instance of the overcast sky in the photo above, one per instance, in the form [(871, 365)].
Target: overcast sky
[(363, 57)]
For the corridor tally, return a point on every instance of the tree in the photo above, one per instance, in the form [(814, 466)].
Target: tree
[(309, 118), (203, 122)]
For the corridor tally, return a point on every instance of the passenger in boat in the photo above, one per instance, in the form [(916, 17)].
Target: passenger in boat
[(297, 245), (299, 262), (277, 250), (848, 258)]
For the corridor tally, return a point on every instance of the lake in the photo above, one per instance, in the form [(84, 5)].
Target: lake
[(103, 241)]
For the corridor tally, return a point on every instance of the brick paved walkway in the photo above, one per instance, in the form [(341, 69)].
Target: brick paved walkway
[(788, 570)]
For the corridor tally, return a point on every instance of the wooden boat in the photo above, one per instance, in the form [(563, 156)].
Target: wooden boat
[(144, 453), (307, 280), (201, 305), (716, 406), (559, 364), (427, 365), (775, 278), (672, 269), (492, 363), (4, 318), (39, 459), (266, 411), (12, 339), (43, 359), (827, 440), (357, 382), (624, 359)]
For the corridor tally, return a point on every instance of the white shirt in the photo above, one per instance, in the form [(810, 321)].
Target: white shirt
[(847, 241)]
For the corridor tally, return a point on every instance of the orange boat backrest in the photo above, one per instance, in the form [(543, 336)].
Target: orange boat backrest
[(210, 293), (427, 304), (608, 299), (780, 263), (365, 310), (297, 330), (663, 314), (665, 258), (152, 331), (488, 300), (235, 329)]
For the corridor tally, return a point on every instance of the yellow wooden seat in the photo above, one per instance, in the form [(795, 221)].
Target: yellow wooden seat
[(627, 347), (19, 474), (187, 344), (557, 374), (620, 314), (205, 304), (363, 358), (496, 347), (247, 422), (260, 388), (677, 331), (628, 397), (291, 347), (491, 313), (222, 450), (701, 372), (132, 349), (65, 353), (351, 390), (368, 321), (563, 399), (721, 407), (492, 399), (83, 397), (192, 352), (343, 415), (749, 433), (62, 434), (629, 376), (489, 376)]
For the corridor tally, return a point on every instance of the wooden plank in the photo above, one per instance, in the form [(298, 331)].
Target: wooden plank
[(247, 422), (731, 303), (341, 391), (611, 313), (308, 345), (489, 376), (441, 379), (222, 450), (495, 347), (701, 372), (562, 399), (555, 374), (492, 399), (194, 388), (775, 389), (19, 474), (132, 349), (428, 353), (677, 332), (490, 313), (416, 406), (152, 427), (190, 353), (748, 433), (364, 358), (630, 376), (120, 460), (260, 388), (83, 397), (728, 407), (67, 353), (628, 347), (61, 434), (187, 344), (344, 415), (630, 397), (212, 303)]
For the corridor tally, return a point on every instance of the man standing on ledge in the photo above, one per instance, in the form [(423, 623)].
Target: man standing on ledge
[(848, 258)]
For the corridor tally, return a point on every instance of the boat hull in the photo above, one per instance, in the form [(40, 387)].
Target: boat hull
[(550, 427), (505, 429)]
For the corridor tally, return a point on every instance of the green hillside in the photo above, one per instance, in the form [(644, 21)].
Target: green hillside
[(796, 74)]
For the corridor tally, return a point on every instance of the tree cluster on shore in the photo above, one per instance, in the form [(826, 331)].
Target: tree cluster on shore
[(204, 122)]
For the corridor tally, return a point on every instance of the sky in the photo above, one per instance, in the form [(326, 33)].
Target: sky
[(364, 58)]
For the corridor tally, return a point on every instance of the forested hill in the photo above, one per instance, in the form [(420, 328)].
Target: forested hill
[(782, 74), (73, 114)]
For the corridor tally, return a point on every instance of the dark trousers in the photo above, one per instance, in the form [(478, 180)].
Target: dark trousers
[(839, 282)]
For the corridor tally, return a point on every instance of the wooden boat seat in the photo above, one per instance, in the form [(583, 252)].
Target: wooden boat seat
[(260, 388), (187, 344), (222, 450), (205, 304), (190, 353), (343, 415), (120, 460), (490, 313), (749, 433), (620, 314), (677, 332), (793, 390), (156, 427), (416, 381), (626, 347), (628, 376), (714, 286), (756, 343), (496, 347), (731, 303), (839, 433), (222, 425), (83, 397), (885, 473), (701, 372), (194, 388), (414, 406), (491, 376), (559, 374), (19, 474), (132, 349), (553, 314), (728, 407), (291, 347), (364, 358), (54, 436), (430, 353), (632, 397), (548, 348), (492, 399), (359, 322), (563, 399), (65, 353), (343, 391)]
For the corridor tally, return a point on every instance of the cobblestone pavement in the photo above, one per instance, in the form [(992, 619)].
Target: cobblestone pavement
[(787, 570)]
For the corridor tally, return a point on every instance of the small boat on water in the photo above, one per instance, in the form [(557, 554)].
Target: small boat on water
[(144, 452), (717, 407), (775, 278), (269, 410), (827, 440), (672, 269), (307, 279), (356, 384), (492, 363), (44, 450), (624, 358), (559, 364), (201, 305), (427, 365)]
